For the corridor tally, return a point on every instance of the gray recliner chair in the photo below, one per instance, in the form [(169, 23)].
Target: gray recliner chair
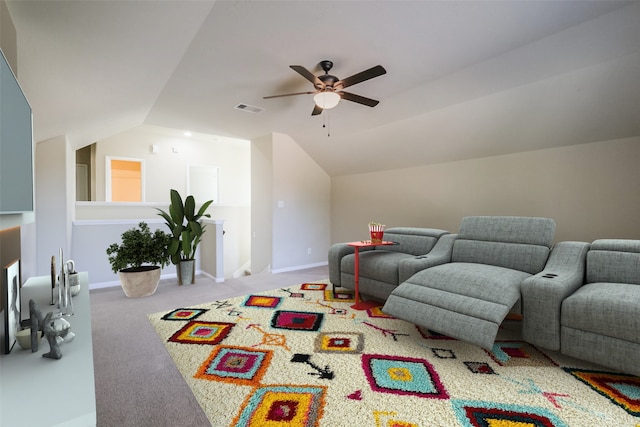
[(600, 321), (468, 294)]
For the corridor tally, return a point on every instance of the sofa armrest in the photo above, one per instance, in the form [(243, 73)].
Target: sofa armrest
[(542, 294), (336, 253), (440, 254)]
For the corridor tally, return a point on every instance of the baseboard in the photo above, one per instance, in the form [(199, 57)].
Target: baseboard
[(103, 285), (215, 279), (299, 267)]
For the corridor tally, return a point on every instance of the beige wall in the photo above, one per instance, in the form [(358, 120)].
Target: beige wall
[(301, 207), (261, 203), (290, 209), (591, 190), (8, 38)]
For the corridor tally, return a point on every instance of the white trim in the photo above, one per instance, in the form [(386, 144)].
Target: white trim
[(163, 203), (216, 279), (116, 221), (104, 285), (299, 267), (242, 271)]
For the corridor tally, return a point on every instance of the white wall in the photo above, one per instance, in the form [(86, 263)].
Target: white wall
[(261, 204), (164, 171), (91, 240), (302, 207), (168, 169), (290, 208), (591, 190), (54, 201)]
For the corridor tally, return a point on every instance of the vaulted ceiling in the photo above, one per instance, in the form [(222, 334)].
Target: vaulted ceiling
[(465, 79)]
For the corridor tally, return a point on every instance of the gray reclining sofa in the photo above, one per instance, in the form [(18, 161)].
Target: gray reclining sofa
[(594, 316), (577, 298), (382, 268), (469, 290)]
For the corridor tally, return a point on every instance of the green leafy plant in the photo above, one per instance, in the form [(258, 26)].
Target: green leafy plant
[(185, 226), (140, 248)]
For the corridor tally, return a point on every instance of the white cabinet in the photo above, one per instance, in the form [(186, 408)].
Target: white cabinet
[(39, 392)]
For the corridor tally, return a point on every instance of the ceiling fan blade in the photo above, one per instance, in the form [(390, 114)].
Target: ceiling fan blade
[(316, 110), (372, 72), (307, 75), (287, 94), (359, 99)]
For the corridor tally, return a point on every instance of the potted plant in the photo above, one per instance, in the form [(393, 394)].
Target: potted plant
[(139, 259), (186, 232)]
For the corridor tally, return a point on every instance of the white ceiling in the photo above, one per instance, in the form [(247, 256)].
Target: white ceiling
[(465, 79)]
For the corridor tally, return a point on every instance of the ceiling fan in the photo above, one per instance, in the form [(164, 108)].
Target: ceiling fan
[(329, 89)]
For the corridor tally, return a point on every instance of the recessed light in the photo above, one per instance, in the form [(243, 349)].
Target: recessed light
[(187, 133)]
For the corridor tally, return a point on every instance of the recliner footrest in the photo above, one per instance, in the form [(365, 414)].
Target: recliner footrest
[(456, 325), (466, 301)]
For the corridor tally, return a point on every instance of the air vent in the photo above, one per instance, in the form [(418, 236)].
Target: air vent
[(249, 108)]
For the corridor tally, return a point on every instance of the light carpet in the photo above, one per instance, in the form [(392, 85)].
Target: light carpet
[(301, 356)]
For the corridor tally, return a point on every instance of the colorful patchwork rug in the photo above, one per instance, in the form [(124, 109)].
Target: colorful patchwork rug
[(301, 356)]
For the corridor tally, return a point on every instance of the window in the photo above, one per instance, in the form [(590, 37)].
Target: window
[(125, 179)]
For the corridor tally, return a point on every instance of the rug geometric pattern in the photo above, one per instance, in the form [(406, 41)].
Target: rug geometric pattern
[(339, 295), (198, 332), (264, 301), (339, 342), (518, 353), (314, 286), (476, 414), (621, 389), (183, 314), (402, 376), (296, 320), (282, 405), (237, 365), (300, 356)]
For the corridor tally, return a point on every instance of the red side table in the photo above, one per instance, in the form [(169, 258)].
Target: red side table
[(362, 305)]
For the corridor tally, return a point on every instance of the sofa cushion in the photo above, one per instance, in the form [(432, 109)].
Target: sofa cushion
[(508, 229), (518, 243), (614, 260), (413, 241), (526, 258), (609, 309), (379, 264)]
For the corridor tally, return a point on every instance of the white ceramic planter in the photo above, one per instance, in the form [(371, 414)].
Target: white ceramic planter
[(136, 284)]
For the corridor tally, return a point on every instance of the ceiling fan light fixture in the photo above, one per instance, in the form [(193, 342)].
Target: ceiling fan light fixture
[(326, 99)]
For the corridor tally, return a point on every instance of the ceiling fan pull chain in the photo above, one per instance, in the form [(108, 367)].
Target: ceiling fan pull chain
[(328, 124)]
